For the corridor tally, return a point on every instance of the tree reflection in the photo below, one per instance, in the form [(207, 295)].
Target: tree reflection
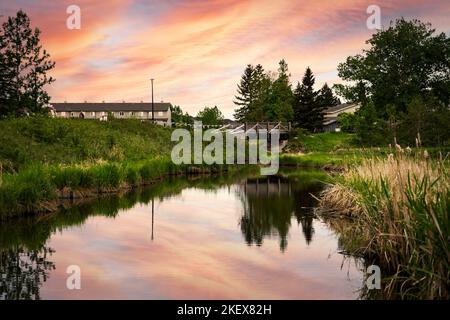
[(23, 271), (270, 203), (24, 257)]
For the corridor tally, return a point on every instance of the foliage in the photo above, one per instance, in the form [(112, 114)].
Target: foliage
[(307, 114), (400, 206), (309, 104), (263, 96), (370, 128), (210, 116), (326, 97), (178, 117), (281, 100), (23, 68), (403, 61), (425, 119), (347, 121), (246, 94)]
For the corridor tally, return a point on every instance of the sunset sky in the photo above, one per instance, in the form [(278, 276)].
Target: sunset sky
[(197, 50)]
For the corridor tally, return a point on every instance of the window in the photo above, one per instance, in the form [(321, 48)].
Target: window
[(121, 113), (71, 114)]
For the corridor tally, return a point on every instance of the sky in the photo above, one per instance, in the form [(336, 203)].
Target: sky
[(197, 50)]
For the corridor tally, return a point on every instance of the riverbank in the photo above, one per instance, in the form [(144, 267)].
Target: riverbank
[(394, 212), (45, 161), (40, 189), (328, 150), (388, 205)]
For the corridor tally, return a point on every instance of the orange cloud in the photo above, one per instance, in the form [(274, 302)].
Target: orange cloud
[(197, 50)]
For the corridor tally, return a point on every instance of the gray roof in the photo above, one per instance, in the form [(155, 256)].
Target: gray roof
[(110, 106), (339, 107)]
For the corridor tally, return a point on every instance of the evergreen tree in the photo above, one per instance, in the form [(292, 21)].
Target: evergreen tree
[(23, 68), (282, 98), (308, 113), (326, 97), (246, 94), (262, 85)]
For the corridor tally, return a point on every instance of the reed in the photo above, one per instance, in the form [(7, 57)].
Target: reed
[(400, 209)]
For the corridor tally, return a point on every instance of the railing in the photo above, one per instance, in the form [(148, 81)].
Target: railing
[(282, 127)]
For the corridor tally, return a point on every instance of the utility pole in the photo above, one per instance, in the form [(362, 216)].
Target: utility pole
[(153, 104), (153, 209)]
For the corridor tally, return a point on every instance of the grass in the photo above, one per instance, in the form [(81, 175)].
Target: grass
[(45, 159), (334, 150), (327, 149), (47, 141), (36, 188), (400, 209), (33, 231), (301, 141)]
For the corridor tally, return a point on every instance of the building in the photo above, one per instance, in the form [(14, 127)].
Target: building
[(120, 110), (330, 116)]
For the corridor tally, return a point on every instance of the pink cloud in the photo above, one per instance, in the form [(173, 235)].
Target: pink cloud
[(197, 50)]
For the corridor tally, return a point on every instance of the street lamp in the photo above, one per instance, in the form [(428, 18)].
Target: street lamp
[(153, 104)]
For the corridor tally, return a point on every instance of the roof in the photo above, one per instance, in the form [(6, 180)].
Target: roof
[(340, 107), (329, 121), (111, 106)]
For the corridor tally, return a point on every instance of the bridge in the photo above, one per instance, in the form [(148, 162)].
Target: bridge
[(239, 128)]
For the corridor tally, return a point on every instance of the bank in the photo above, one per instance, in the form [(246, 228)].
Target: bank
[(44, 162)]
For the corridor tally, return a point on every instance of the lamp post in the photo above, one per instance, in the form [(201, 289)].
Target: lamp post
[(153, 104)]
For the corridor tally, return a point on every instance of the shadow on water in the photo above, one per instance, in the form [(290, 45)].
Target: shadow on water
[(269, 206)]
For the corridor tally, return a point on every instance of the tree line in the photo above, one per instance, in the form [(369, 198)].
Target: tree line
[(208, 116), (265, 96), (402, 82)]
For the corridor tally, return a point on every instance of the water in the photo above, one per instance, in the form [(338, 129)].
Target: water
[(205, 238)]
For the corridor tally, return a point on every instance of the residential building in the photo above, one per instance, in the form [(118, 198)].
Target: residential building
[(330, 116), (119, 110)]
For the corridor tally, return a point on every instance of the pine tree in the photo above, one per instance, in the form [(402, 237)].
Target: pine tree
[(262, 92), (306, 112), (23, 68), (282, 97), (326, 98), (246, 94)]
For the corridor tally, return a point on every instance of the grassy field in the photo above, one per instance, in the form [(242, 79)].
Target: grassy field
[(35, 141), (335, 150)]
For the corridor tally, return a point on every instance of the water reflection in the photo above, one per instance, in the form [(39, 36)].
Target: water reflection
[(269, 204), (267, 208), (23, 271)]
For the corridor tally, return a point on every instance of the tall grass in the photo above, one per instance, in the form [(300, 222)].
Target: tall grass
[(35, 188), (400, 207)]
